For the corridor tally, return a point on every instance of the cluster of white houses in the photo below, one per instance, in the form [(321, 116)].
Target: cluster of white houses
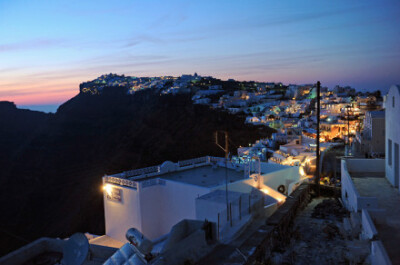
[(358, 121)]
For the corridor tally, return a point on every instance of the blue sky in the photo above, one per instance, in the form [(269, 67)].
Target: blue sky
[(48, 47)]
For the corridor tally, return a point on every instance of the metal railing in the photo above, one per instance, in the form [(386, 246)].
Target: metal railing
[(194, 161), (129, 178), (141, 171), (121, 181), (214, 159)]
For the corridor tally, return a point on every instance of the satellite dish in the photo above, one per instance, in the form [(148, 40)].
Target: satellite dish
[(75, 250)]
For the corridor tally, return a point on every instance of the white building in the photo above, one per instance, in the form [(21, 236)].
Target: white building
[(370, 190), (392, 117), (252, 120), (154, 199), (373, 137)]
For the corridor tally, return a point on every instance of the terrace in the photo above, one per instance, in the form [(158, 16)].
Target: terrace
[(203, 172), (366, 190)]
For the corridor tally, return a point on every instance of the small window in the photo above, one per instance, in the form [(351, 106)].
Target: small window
[(393, 101), (390, 152)]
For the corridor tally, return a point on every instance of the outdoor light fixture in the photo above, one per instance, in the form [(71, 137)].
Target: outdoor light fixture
[(108, 189), (301, 171)]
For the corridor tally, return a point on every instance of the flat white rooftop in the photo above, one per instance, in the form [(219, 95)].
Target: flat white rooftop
[(205, 176), (205, 172)]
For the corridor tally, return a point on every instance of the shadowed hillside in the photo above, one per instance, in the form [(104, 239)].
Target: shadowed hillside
[(52, 164)]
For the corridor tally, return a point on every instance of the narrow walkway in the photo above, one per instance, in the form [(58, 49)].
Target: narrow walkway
[(387, 222)]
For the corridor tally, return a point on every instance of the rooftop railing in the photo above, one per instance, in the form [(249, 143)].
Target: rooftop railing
[(129, 178), (121, 181), (194, 161), (142, 171)]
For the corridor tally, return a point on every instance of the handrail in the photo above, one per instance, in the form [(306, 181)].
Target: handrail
[(142, 171), (199, 160), (121, 181)]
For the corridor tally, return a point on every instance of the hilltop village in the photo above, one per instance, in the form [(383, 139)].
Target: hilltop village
[(262, 203), (348, 117)]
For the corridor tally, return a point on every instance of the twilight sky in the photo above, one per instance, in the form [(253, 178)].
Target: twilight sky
[(48, 47)]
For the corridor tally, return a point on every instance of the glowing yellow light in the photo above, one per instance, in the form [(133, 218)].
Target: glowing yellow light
[(108, 189), (265, 191), (301, 171)]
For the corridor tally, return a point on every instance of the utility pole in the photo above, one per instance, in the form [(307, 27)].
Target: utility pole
[(348, 129), (226, 150), (318, 122)]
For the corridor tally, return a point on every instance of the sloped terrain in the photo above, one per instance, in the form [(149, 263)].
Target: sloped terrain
[(52, 164)]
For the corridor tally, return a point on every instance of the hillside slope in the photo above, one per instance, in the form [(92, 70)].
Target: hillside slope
[(50, 184)]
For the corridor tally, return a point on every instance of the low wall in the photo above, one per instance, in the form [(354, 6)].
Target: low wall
[(366, 165), (285, 177), (241, 209), (378, 254), (273, 193), (350, 196), (349, 191), (260, 244), (368, 226)]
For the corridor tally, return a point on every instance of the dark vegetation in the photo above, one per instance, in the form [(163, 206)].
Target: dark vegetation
[(52, 164)]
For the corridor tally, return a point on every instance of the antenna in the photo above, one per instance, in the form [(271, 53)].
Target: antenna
[(75, 250), (226, 150)]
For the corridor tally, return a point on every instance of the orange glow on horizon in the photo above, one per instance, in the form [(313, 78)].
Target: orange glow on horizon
[(38, 93), (50, 97)]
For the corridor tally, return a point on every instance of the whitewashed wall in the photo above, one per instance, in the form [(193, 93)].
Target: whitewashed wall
[(349, 191), (379, 255), (119, 217), (392, 130), (366, 165), (351, 198), (368, 226), (151, 199), (165, 205), (282, 177)]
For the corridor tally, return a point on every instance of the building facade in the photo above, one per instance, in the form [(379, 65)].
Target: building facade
[(154, 199), (373, 137), (393, 135)]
